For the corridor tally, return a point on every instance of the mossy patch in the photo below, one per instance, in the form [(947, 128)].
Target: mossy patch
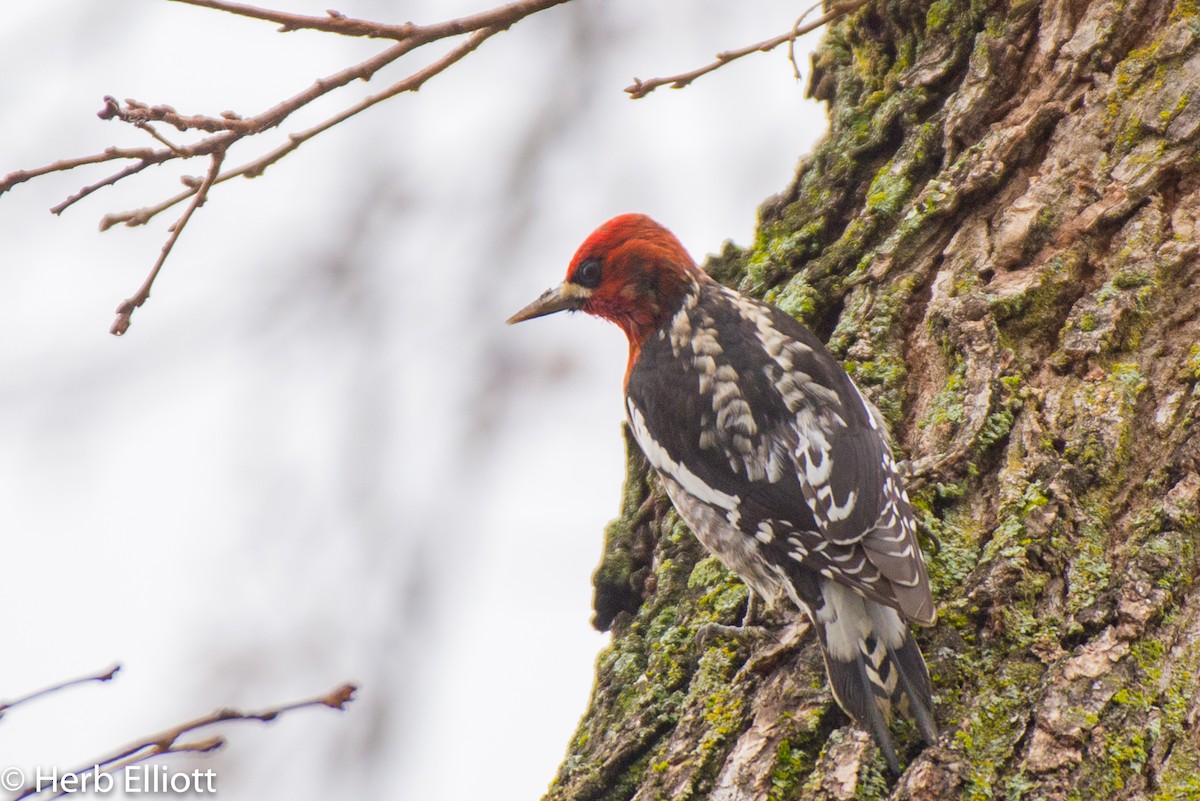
[(958, 535), (947, 406), (1090, 570), (1023, 315), (996, 723), (797, 297), (792, 767), (938, 15)]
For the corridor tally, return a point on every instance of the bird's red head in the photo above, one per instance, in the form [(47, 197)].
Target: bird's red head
[(631, 271)]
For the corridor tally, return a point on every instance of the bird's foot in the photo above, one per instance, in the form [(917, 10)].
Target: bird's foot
[(785, 641), (748, 635), (758, 625), (753, 614)]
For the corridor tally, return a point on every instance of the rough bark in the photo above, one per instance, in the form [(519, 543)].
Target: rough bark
[(999, 238)]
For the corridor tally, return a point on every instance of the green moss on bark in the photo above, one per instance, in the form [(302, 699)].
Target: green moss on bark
[(1013, 333)]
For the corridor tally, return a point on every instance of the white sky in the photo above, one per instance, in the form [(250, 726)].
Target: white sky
[(319, 454)]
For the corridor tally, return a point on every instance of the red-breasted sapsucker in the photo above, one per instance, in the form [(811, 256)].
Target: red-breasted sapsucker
[(771, 455)]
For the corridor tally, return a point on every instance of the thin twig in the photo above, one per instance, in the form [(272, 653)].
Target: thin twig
[(227, 129), (106, 675), (640, 88), (334, 22), (410, 84), (167, 742), (125, 310), (109, 181), (140, 114), (338, 23), (255, 168), (109, 154), (796, 34), (150, 129)]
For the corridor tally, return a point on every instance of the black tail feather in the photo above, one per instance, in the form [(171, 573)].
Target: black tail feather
[(914, 693), (875, 667), (866, 709)]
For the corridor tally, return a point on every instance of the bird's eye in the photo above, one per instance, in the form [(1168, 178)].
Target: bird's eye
[(587, 274)]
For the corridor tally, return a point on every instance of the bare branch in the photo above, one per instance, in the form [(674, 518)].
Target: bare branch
[(125, 310), (168, 741), (338, 23), (227, 129), (106, 675), (410, 84), (150, 129), (334, 22), (795, 33), (109, 181), (109, 154), (255, 168), (640, 88)]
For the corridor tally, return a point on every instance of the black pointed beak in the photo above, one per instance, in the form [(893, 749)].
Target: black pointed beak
[(564, 297)]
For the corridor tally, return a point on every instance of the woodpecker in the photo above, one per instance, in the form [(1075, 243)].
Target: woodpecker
[(771, 455)]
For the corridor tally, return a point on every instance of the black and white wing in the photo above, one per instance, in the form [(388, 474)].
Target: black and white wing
[(763, 435), (783, 470)]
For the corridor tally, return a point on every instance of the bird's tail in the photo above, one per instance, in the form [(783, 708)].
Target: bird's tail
[(875, 667)]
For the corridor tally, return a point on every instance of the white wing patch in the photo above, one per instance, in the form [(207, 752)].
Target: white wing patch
[(817, 411), (835, 510), (662, 461), (812, 449), (818, 430), (732, 428)]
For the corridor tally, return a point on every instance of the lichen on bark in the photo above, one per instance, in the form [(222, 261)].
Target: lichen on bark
[(998, 237)]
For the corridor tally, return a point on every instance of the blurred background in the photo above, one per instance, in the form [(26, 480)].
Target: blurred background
[(319, 455)]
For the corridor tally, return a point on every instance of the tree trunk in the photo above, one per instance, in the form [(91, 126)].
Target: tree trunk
[(999, 239)]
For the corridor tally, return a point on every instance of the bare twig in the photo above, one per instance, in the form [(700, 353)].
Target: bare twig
[(132, 169), (255, 168), (109, 154), (227, 129), (640, 88), (168, 741), (339, 23), (106, 675), (795, 34), (150, 129), (125, 310), (333, 22)]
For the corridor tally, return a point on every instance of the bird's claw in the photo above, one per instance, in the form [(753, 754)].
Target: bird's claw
[(745, 634)]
